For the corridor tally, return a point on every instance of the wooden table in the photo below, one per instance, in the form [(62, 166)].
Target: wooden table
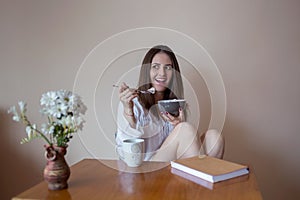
[(92, 179)]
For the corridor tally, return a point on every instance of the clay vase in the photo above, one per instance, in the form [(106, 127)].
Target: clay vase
[(57, 171)]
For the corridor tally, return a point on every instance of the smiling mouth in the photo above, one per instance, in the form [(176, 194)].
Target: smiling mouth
[(161, 81)]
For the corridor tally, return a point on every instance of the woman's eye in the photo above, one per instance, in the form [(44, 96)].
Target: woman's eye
[(155, 66), (165, 67), (168, 67)]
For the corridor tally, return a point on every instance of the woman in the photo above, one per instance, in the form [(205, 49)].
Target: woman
[(166, 137)]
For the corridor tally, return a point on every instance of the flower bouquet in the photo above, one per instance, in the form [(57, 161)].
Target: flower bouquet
[(64, 111)]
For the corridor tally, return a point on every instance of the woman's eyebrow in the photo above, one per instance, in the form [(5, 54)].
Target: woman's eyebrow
[(155, 63), (161, 64)]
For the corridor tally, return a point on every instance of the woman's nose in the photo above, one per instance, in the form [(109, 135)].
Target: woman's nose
[(161, 71)]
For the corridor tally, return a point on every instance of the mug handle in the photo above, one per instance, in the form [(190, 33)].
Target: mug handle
[(120, 152)]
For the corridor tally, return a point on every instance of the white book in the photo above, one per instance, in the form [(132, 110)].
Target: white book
[(210, 168)]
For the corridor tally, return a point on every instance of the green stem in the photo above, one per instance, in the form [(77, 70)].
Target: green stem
[(43, 136), (39, 132)]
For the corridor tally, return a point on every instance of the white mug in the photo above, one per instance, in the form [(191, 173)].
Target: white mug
[(131, 151)]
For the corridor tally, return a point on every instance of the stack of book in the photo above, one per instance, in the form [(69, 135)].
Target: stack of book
[(206, 170)]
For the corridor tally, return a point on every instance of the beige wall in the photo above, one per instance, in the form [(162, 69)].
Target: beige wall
[(255, 45)]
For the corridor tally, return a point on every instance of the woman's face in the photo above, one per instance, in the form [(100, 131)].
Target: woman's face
[(161, 71)]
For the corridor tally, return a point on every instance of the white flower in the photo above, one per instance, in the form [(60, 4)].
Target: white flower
[(22, 106), (47, 129), (48, 99), (79, 123), (16, 116), (64, 96), (54, 111), (73, 100), (63, 108), (82, 108), (30, 131), (67, 121), (77, 105)]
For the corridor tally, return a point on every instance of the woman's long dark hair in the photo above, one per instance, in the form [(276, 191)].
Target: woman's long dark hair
[(175, 88)]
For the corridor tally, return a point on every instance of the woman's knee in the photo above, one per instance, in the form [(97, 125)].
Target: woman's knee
[(185, 128), (182, 133), (214, 143), (187, 140)]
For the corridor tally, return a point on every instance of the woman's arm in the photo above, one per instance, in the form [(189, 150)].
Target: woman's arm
[(126, 96), (125, 130), (129, 116)]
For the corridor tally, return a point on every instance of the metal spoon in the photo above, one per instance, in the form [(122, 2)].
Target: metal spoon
[(149, 91)]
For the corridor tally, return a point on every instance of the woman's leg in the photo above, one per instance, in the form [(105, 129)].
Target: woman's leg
[(213, 143), (181, 143)]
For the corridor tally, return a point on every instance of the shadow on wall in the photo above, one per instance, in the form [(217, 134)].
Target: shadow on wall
[(267, 165), (18, 170)]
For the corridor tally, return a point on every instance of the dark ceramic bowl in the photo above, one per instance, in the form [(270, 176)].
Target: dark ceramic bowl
[(171, 106)]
